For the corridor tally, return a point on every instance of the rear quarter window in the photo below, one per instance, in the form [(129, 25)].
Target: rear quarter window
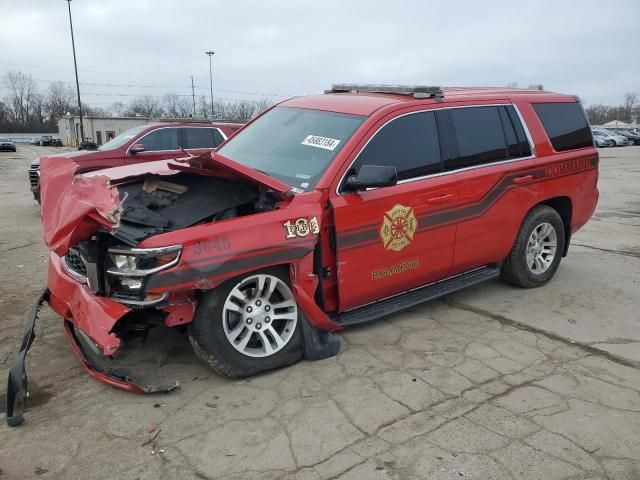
[(565, 124)]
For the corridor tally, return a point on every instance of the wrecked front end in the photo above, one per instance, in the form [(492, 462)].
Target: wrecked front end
[(132, 248)]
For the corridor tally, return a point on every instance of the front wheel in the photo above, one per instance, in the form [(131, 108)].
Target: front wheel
[(537, 251), (248, 325)]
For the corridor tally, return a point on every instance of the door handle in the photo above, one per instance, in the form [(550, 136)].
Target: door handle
[(440, 199), (525, 179)]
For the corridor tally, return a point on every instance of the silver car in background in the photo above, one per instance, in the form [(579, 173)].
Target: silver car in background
[(619, 140), (602, 141), (6, 144)]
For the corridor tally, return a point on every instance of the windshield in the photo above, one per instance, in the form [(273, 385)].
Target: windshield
[(122, 138), (291, 144), (3, 139)]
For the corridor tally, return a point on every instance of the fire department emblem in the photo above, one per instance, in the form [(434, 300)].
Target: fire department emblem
[(398, 227)]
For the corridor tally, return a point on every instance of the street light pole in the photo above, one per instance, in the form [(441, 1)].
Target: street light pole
[(75, 66), (210, 54)]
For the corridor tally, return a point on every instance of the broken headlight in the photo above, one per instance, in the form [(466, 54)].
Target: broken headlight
[(140, 262)]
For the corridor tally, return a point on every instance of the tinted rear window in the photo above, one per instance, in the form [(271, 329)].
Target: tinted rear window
[(565, 124), (202, 137)]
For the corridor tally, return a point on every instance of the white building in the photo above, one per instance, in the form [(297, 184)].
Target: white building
[(98, 129)]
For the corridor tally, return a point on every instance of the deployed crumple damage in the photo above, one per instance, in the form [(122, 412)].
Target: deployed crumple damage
[(131, 203), (156, 204), (76, 206)]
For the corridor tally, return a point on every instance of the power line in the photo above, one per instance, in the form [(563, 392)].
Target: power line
[(155, 74), (197, 87)]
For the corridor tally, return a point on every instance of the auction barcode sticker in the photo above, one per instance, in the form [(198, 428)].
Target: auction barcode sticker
[(321, 142)]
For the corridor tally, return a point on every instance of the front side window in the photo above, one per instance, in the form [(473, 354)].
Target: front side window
[(408, 143), (201, 137), (294, 145), (161, 139), (122, 138), (566, 125)]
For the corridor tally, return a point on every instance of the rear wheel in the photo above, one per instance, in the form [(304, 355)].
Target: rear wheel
[(248, 325), (537, 251)]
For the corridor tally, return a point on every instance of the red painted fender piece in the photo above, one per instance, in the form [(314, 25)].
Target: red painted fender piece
[(304, 284), (100, 376), (94, 315), (73, 207)]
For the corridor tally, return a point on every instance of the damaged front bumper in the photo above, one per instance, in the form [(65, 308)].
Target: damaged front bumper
[(88, 324)]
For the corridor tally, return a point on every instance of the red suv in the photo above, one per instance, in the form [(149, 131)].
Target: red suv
[(145, 143), (324, 212)]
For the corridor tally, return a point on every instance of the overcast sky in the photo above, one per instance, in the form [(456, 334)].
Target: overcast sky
[(277, 49)]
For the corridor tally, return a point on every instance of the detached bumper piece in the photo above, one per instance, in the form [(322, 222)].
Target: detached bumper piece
[(17, 385), (118, 377)]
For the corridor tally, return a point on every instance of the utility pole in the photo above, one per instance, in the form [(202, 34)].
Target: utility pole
[(193, 95), (75, 66), (210, 53)]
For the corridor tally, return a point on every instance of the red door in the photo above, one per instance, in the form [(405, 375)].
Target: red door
[(487, 147), (493, 202), (393, 239)]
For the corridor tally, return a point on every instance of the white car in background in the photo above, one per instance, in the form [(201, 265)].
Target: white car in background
[(619, 140)]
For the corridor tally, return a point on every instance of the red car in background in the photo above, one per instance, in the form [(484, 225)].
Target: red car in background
[(145, 143)]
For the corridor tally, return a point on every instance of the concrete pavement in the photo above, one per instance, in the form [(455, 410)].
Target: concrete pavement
[(491, 383)]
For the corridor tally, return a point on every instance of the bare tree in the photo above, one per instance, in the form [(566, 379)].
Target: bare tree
[(21, 88), (59, 101), (37, 110), (117, 108), (629, 107), (598, 114), (177, 106), (145, 106), (203, 107), (240, 110)]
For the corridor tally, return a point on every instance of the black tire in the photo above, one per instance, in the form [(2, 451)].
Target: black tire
[(209, 342), (515, 269)]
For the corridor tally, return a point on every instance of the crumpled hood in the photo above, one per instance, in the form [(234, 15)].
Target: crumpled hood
[(74, 206)]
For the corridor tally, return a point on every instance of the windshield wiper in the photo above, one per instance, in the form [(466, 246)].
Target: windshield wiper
[(262, 172)]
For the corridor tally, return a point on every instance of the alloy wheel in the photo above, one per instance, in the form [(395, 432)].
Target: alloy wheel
[(541, 248), (259, 315)]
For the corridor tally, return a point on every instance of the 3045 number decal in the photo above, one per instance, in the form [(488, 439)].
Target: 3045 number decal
[(210, 246)]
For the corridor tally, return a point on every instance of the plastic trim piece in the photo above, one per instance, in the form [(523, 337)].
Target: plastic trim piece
[(381, 308), (17, 384)]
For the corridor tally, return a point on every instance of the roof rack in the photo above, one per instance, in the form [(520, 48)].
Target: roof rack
[(416, 91)]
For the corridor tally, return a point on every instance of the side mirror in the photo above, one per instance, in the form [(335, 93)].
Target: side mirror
[(136, 148), (372, 176)]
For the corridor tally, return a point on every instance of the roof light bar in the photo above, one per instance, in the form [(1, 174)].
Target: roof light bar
[(417, 91)]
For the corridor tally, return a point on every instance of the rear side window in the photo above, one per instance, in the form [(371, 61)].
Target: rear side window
[(409, 143), (161, 139), (202, 137), (565, 124), (479, 136)]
